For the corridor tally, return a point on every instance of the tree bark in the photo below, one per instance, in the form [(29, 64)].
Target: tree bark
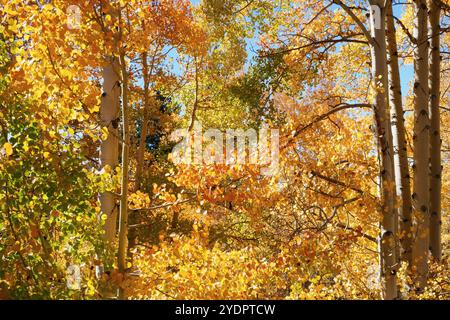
[(402, 175), (123, 223), (384, 136), (109, 148), (435, 132), (421, 144)]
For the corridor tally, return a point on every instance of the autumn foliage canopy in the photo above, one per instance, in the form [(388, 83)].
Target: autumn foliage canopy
[(357, 206)]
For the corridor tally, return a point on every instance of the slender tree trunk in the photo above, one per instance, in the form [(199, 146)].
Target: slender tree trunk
[(133, 216), (421, 139), (109, 148), (144, 127), (402, 175), (387, 245), (435, 132), (123, 223)]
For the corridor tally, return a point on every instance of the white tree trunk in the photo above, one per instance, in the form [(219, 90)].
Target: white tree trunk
[(402, 175), (109, 148), (421, 140), (381, 113), (435, 132)]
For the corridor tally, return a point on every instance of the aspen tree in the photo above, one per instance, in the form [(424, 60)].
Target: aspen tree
[(126, 141), (402, 175), (387, 241), (388, 225), (435, 131), (421, 145), (123, 217), (144, 126), (109, 148)]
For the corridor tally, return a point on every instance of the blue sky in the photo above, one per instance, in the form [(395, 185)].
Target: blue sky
[(407, 71)]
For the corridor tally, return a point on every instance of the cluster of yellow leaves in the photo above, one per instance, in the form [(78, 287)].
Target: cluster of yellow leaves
[(185, 268), (138, 200)]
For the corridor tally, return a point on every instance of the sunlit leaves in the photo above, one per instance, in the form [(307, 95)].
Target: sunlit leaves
[(8, 148)]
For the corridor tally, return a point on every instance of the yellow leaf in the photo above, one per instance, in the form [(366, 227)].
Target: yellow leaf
[(8, 148), (94, 109), (104, 133)]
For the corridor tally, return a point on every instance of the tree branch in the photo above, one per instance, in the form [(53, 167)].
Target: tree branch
[(355, 19)]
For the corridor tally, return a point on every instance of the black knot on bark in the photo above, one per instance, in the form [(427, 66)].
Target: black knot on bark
[(387, 234), (115, 123)]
